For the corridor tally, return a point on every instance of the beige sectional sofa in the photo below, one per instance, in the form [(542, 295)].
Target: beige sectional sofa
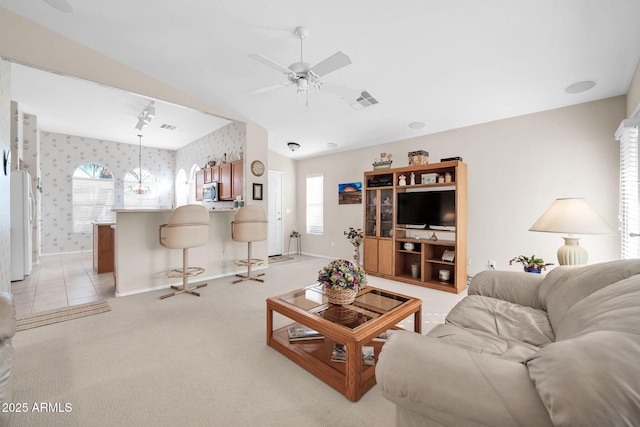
[(7, 331), (561, 349)]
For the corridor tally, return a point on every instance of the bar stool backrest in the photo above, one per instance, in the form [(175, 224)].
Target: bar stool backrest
[(188, 227), (249, 224)]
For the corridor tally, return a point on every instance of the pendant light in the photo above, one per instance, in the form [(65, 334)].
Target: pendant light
[(140, 190)]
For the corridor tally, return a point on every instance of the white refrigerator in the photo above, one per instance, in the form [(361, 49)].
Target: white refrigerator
[(22, 212)]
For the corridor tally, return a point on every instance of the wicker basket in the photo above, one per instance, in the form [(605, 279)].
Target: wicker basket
[(341, 296)]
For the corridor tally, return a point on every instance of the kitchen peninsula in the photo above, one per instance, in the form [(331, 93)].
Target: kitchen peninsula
[(141, 263)]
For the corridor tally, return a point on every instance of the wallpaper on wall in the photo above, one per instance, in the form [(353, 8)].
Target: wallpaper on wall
[(5, 132), (62, 154), (229, 140)]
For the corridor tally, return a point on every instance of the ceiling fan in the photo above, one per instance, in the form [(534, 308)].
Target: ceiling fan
[(302, 74)]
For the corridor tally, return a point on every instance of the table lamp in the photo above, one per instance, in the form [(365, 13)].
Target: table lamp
[(571, 216)]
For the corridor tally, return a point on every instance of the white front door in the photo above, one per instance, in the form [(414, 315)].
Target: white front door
[(274, 213)]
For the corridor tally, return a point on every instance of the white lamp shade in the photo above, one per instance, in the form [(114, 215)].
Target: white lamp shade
[(571, 216)]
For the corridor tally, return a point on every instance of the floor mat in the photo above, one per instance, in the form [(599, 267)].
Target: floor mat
[(49, 317)]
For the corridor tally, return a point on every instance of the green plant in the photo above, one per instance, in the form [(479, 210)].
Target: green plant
[(531, 262)]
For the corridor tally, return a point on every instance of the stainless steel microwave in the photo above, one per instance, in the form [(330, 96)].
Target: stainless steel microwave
[(210, 192)]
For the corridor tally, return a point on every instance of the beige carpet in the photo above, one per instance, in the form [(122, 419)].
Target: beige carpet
[(189, 361), (49, 317)]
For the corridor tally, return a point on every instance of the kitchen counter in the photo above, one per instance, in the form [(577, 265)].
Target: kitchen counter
[(141, 263)]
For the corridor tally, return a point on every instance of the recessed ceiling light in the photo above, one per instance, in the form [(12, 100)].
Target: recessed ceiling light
[(416, 125), (331, 145), (580, 86), (61, 5)]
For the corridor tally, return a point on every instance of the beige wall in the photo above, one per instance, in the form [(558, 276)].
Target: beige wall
[(633, 96), (517, 167)]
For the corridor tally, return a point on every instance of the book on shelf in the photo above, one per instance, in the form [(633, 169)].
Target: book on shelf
[(303, 333), (339, 354)]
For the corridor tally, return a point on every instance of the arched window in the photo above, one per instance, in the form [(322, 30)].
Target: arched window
[(92, 196), (192, 184), (140, 189), (182, 188)]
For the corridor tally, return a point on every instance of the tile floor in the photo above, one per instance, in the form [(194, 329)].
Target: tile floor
[(61, 281)]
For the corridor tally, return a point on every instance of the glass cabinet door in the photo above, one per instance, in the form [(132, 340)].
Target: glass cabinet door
[(386, 213), (370, 228)]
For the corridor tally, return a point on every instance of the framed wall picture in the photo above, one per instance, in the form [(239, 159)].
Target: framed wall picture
[(257, 191), (350, 193)]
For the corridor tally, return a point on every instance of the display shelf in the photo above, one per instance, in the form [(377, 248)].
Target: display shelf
[(427, 253)]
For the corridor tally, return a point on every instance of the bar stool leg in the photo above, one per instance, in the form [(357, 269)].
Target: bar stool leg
[(248, 276), (185, 279)]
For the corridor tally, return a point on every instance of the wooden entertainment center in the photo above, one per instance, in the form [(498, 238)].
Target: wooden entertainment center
[(385, 252)]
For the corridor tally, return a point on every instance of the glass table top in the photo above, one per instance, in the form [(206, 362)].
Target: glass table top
[(371, 303)]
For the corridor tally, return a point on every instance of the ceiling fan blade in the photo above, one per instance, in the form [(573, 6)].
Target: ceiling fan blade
[(347, 93), (270, 63), (331, 64), (268, 88)]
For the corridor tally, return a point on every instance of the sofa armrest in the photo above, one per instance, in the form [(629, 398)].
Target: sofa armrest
[(453, 386), (516, 287)]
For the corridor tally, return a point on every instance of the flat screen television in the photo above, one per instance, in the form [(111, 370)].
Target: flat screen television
[(427, 208)]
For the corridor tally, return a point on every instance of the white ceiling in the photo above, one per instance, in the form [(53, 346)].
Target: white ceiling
[(448, 64), (76, 107)]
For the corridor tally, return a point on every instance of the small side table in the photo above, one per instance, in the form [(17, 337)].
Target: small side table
[(295, 235)]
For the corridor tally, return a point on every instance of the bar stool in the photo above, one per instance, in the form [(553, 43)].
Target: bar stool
[(249, 225), (188, 227)]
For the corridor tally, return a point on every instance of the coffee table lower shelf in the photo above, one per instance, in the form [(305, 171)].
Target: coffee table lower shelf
[(315, 357)]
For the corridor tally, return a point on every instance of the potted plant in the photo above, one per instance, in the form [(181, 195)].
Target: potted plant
[(341, 279), (531, 264)]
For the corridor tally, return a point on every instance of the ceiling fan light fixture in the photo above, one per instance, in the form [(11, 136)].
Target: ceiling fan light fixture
[(303, 85), (416, 125), (293, 146)]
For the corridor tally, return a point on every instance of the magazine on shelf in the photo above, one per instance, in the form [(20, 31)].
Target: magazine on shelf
[(383, 337), (339, 354), (303, 333)]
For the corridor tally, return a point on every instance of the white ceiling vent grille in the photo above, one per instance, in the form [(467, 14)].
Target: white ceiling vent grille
[(168, 127), (364, 100)]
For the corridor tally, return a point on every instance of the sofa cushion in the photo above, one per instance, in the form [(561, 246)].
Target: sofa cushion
[(565, 286), (614, 308), (596, 352), (502, 318), (484, 342), (590, 380)]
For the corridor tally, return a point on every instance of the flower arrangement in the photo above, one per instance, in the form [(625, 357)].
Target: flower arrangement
[(354, 236), (342, 274), (531, 263)]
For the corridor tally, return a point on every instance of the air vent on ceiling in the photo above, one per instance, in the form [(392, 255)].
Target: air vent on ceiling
[(168, 127), (364, 100)]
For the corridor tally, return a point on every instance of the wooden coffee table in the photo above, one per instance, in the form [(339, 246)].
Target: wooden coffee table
[(373, 312)]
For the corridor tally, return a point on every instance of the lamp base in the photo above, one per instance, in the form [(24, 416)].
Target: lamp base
[(572, 253)]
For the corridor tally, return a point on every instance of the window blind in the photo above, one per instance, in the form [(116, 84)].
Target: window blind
[(627, 134), (92, 202), (315, 207)]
